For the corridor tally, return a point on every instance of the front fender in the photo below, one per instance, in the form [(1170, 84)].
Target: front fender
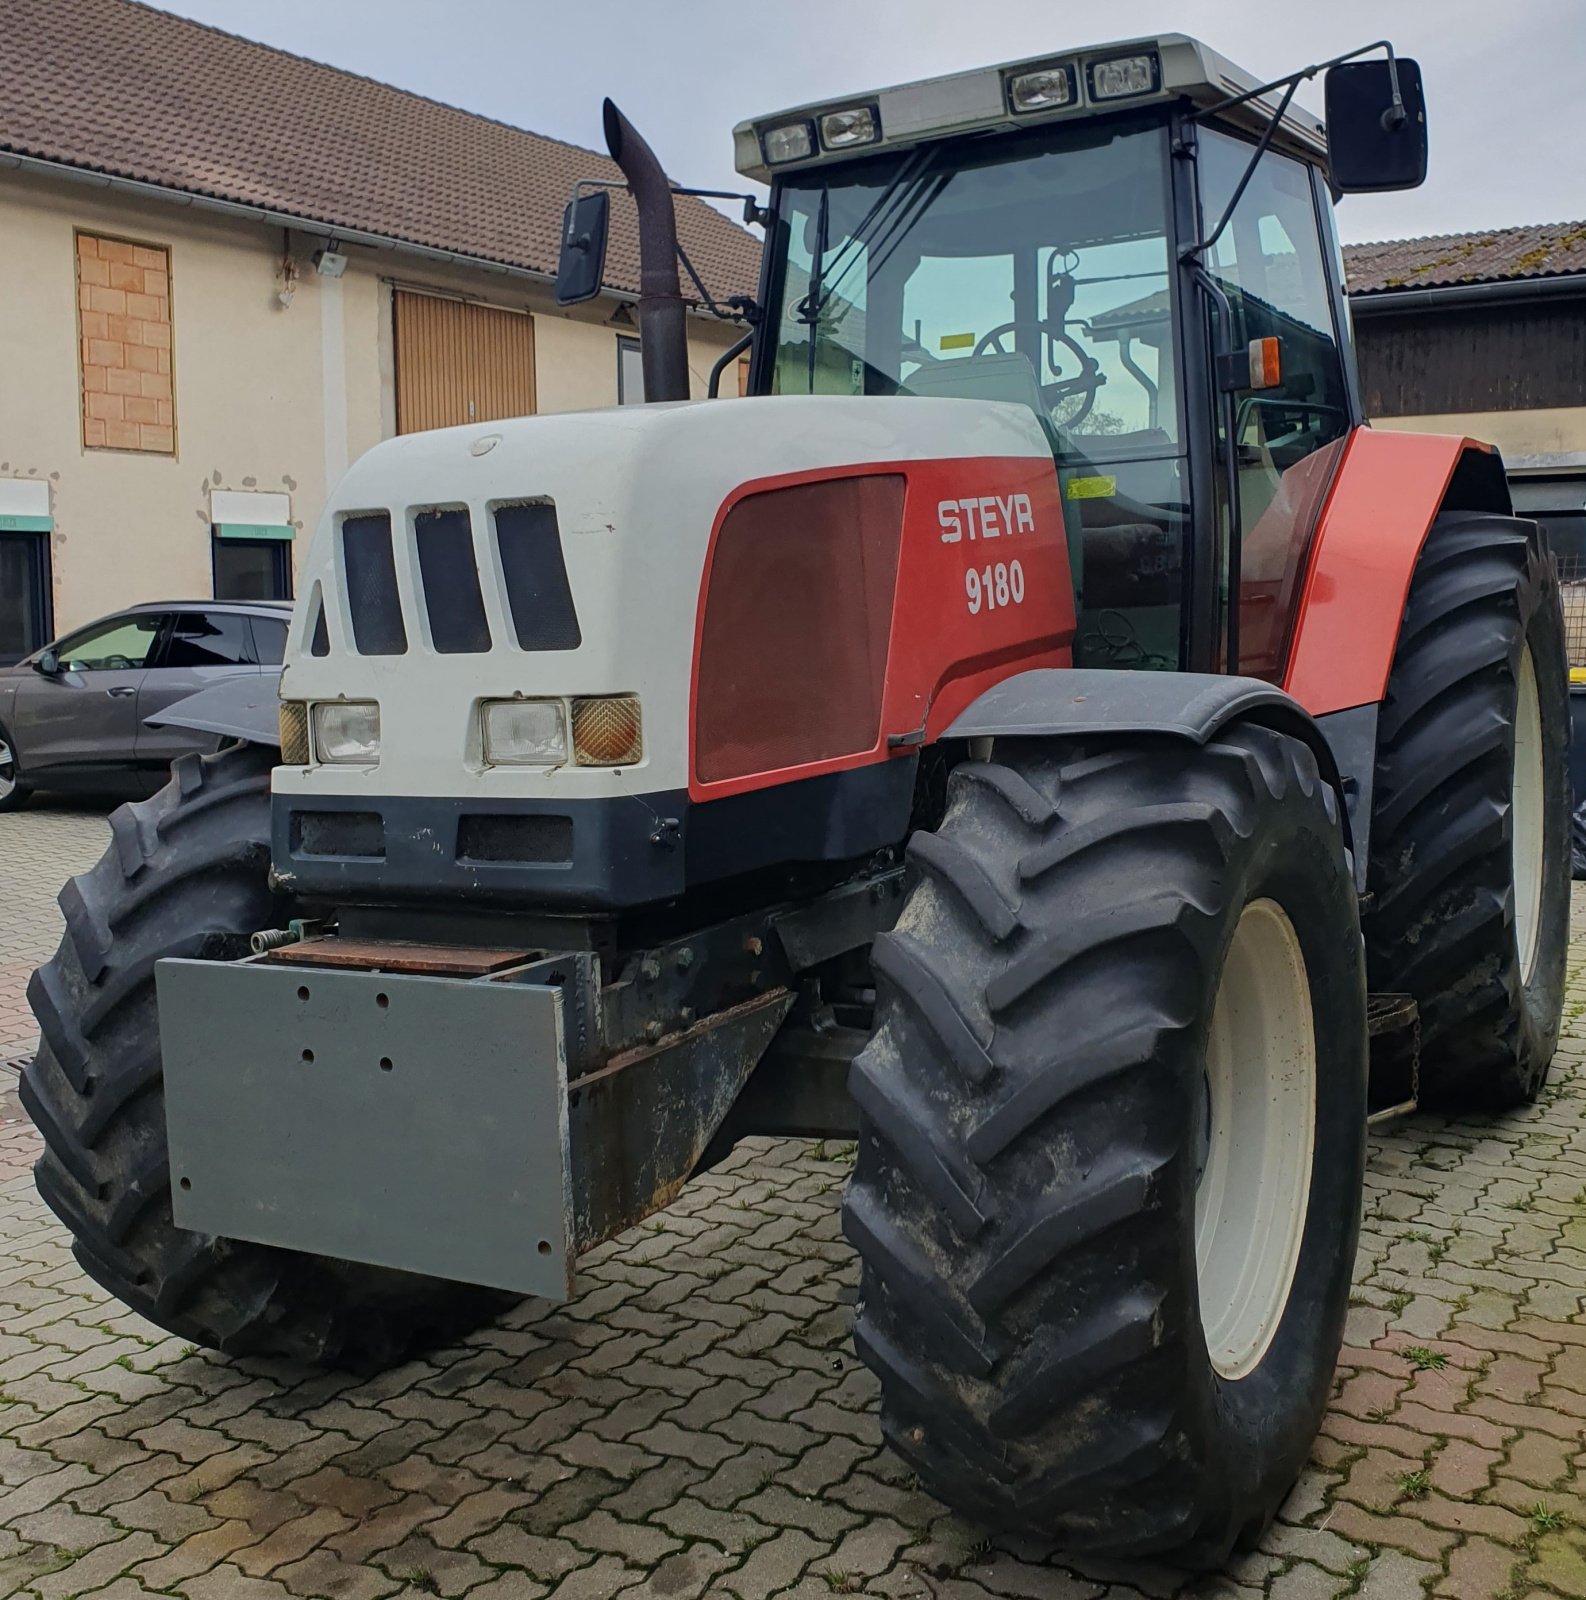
[(1094, 703), (238, 708)]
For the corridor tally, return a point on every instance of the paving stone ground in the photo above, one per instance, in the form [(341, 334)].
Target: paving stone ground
[(695, 1422)]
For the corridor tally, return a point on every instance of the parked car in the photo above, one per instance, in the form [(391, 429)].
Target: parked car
[(72, 715)]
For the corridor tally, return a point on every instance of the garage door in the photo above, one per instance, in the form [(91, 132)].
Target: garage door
[(457, 362)]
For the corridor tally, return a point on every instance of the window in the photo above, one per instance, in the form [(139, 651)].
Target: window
[(124, 318), (24, 595), (1030, 268), (269, 640), (458, 362), (114, 646), (209, 639), (630, 373), (252, 569), (1270, 263)]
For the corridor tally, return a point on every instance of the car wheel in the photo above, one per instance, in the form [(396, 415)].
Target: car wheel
[(13, 791)]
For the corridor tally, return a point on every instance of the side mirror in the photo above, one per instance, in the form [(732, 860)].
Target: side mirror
[(1372, 144), (582, 263), (48, 663)]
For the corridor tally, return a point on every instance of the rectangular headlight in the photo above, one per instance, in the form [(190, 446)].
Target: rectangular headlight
[(790, 141), (347, 732), (1124, 76), (525, 733), (840, 130), (1044, 89)]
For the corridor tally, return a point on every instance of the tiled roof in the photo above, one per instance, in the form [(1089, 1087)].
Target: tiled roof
[(120, 88), (1543, 250)]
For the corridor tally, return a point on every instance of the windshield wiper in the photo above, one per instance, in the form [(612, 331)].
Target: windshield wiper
[(869, 229)]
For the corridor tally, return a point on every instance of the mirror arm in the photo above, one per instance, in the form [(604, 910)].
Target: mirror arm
[(1396, 112), (1189, 252)]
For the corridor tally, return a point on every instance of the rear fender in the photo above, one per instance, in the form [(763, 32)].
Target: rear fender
[(1389, 489), (1096, 703)]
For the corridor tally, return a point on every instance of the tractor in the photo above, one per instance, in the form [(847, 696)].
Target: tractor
[(1041, 735)]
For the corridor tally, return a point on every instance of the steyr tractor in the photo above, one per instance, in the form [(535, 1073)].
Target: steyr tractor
[(1040, 735)]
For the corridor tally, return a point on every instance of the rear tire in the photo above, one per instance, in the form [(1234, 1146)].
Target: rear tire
[(1053, 1007), (1470, 833), (187, 874)]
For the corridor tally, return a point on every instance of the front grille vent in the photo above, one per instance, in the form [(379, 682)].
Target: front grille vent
[(359, 835), (452, 600), (534, 574), (370, 567), (544, 840)]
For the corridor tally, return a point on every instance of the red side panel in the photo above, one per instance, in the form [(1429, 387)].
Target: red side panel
[(816, 596), (1384, 498), (793, 652)]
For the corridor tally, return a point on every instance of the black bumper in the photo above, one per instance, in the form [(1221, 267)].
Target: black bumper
[(586, 854)]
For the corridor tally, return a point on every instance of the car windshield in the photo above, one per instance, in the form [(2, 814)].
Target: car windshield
[(1030, 268)]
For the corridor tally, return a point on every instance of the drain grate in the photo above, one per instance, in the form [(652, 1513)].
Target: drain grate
[(14, 1064)]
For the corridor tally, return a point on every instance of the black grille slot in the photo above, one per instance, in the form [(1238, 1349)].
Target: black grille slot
[(535, 576), (451, 582), (370, 565), (535, 839), (339, 833), (319, 641)]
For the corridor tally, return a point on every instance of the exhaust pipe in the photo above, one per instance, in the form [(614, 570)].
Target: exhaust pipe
[(663, 338)]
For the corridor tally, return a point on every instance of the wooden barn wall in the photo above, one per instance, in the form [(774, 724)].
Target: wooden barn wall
[(1473, 358)]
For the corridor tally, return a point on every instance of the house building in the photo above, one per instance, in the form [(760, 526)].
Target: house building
[(227, 271), (1485, 334)]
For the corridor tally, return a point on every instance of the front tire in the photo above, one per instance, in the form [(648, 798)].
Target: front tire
[(187, 874), (1470, 833), (1078, 978)]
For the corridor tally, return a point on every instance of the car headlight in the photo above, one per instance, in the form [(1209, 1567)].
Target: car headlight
[(525, 733), (347, 732)]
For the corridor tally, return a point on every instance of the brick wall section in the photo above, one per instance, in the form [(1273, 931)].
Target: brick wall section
[(124, 311)]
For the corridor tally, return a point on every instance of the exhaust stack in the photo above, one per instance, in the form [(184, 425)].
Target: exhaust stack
[(663, 339)]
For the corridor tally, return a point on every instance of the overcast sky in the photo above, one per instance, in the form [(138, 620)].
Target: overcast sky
[(1504, 81)]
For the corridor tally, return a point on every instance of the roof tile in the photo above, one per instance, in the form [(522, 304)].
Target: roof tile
[(1542, 250), (121, 88)]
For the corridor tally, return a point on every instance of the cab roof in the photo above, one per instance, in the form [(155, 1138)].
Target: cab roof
[(979, 101)]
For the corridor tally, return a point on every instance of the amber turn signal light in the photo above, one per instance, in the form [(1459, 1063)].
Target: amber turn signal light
[(1266, 364), (607, 731), (293, 721)]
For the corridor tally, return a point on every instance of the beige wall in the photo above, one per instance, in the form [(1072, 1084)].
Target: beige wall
[(268, 397), (1545, 432), (130, 526)]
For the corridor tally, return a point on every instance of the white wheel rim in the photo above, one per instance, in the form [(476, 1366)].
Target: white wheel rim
[(1527, 823), (8, 771), (1255, 1185)]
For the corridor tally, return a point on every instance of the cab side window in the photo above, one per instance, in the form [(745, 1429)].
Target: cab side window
[(1270, 262)]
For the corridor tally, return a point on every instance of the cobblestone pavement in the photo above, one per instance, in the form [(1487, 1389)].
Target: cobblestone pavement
[(40, 847), (695, 1421)]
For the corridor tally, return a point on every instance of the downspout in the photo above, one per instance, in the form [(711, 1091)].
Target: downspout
[(663, 340)]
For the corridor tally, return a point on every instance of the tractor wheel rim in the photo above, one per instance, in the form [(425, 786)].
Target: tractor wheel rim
[(1528, 808), (1254, 1189), (8, 771)]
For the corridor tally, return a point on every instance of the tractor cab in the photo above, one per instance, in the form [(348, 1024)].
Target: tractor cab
[(1137, 244)]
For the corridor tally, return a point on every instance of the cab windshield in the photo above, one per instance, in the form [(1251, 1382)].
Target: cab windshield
[(1032, 269)]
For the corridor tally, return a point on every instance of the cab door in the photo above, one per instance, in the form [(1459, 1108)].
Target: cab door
[(1271, 261)]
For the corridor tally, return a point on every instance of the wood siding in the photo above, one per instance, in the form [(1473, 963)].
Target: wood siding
[(1472, 358), (458, 362)]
